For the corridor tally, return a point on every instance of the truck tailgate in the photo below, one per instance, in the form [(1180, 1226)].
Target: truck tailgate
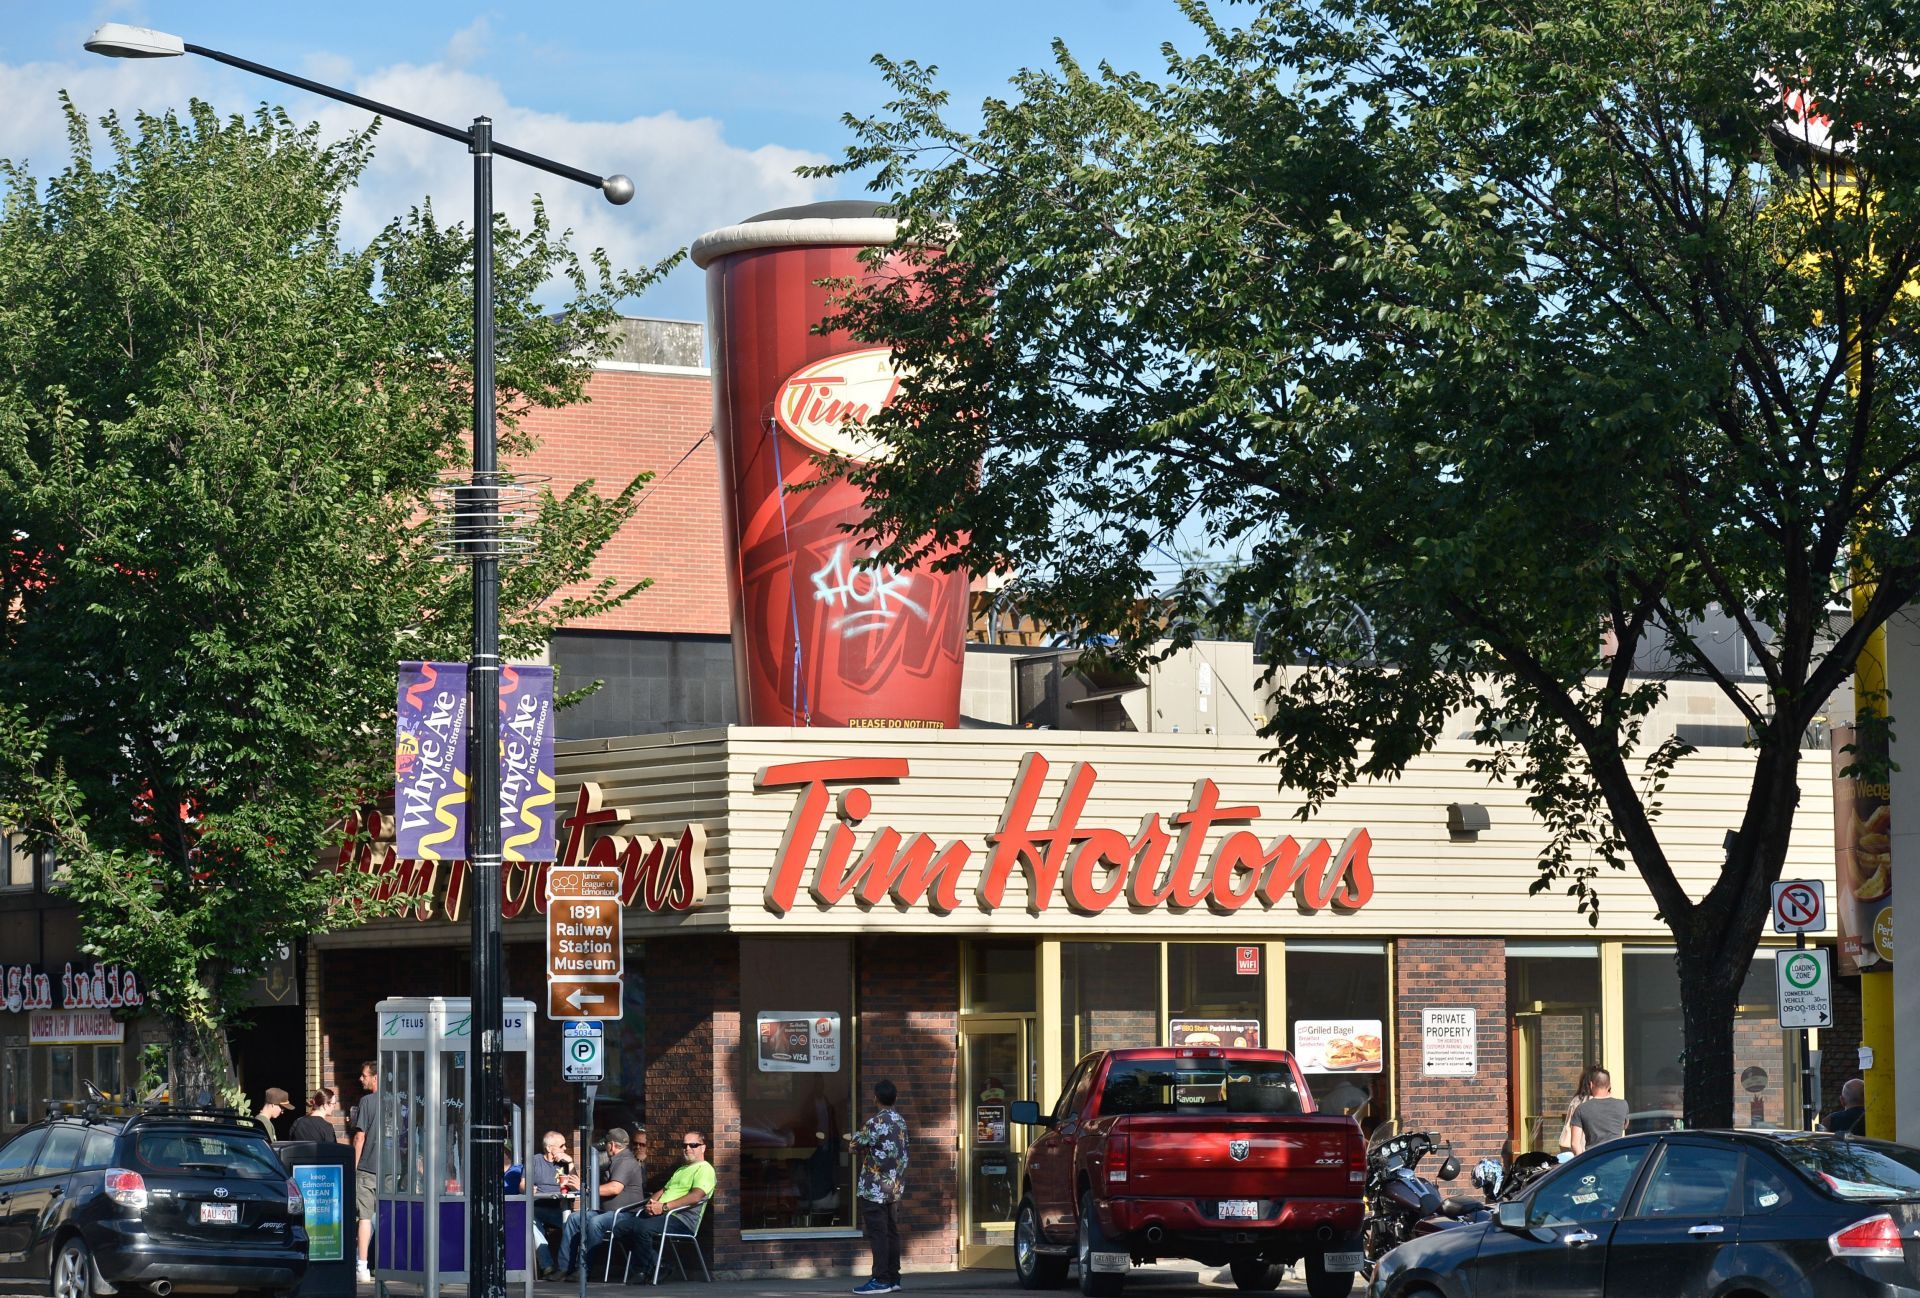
[(1251, 1156)]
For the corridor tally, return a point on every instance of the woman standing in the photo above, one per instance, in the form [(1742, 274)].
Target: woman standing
[(321, 1106), (1581, 1095)]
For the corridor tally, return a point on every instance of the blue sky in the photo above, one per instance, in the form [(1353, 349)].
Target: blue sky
[(708, 106)]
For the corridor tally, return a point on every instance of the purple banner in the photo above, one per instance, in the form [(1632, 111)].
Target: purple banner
[(526, 764), (429, 757)]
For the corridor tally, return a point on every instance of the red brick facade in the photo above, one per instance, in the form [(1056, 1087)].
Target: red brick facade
[(1454, 973), (647, 422)]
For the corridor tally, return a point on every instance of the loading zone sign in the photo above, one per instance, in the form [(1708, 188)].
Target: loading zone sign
[(1804, 986), (582, 1046)]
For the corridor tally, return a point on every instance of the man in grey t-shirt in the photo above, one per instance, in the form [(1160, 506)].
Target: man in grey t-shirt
[(1600, 1117), (626, 1184)]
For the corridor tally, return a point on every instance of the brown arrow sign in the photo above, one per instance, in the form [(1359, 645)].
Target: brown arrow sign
[(586, 956)]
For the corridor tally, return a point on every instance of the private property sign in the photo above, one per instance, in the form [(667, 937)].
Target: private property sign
[(586, 956)]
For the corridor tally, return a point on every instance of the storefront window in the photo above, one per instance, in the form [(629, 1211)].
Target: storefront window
[(16, 862), (60, 1073), (1765, 1088), (796, 1089), (1337, 1013), (1000, 978), (1214, 995), (16, 1073), (1109, 997), (106, 1068), (1553, 999)]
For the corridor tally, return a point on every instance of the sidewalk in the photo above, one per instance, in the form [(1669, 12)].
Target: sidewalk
[(1160, 1281)]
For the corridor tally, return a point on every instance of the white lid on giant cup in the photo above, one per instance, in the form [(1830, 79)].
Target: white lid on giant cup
[(845, 223)]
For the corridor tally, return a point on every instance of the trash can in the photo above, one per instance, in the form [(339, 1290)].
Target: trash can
[(324, 1173)]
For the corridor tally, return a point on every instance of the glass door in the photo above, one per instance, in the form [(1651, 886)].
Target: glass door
[(1552, 1046), (997, 1067)]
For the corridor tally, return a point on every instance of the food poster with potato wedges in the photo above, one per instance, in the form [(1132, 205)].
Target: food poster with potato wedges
[(1863, 856), (1337, 1045)]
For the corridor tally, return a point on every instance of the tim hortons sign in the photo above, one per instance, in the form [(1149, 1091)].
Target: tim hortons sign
[(1161, 865), (655, 875)]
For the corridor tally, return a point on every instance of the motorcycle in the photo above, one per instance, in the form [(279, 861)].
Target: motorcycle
[(1402, 1204), (1399, 1199)]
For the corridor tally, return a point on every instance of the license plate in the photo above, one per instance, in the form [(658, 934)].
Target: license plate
[(223, 1213), (1110, 1262), (1343, 1261), (1244, 1209)]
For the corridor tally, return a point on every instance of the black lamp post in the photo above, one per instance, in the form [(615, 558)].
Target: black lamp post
[(477, 535)]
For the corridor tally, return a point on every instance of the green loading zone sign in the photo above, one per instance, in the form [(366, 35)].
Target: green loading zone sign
[(1803, 983)]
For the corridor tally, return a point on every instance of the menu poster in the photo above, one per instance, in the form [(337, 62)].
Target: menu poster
[(990, 1124), (1242, 1033), (1337, 1045), (799, 1041)]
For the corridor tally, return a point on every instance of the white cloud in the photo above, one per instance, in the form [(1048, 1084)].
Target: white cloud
[(688, 178), (466, 46)]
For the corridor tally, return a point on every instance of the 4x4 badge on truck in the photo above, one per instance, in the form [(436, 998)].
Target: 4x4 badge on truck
[(1239, 1149)]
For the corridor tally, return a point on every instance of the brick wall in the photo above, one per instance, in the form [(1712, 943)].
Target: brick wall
[(642, 422), (1454, 973), (907, 997), (1840, 1044)]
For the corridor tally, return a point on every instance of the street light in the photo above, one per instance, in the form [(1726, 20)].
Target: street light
[(477, 530)]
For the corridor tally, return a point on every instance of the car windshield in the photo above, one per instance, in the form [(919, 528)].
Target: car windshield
[(1858, 1169), (1220, 1084), (214, 1153)]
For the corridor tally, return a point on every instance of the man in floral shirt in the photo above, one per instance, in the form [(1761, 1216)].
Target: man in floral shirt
[(882, 1147)]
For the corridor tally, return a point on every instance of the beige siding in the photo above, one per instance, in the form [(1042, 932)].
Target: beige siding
[(1424, 883)]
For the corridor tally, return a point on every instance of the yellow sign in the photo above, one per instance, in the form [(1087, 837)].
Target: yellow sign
[(1883, 934)]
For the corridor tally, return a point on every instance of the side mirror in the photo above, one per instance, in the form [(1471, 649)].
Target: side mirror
[(1510, 1216), (1450, 1168), (1027, 1114)]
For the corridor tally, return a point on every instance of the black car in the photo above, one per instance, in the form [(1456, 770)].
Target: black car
[(1712, 1214), (164, 1200)]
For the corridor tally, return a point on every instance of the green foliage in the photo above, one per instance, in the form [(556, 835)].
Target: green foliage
[(1510, 323), (219, 431)]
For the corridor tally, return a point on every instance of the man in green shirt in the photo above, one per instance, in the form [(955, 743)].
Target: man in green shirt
[(690, 1186)]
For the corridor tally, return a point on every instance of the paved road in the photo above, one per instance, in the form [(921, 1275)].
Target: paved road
[(1158, 1282)]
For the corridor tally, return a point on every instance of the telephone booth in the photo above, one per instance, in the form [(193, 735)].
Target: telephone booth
[(426, 1079)]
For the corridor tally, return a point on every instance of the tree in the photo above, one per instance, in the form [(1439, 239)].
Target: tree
[(1522, 326), (219, 434)]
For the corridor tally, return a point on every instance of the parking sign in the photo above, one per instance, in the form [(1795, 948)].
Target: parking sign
[(582, 1046)]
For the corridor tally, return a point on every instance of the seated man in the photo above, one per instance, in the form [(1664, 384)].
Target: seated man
[(553, 1181), (691, 1183), (625, 1184)]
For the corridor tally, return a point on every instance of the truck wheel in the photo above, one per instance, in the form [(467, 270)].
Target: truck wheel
[(1255, 1276), (1322, 1283), (1096, 1284), (1034, 1269)]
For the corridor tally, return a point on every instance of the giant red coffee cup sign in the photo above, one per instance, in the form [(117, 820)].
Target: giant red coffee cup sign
[(822, 635)]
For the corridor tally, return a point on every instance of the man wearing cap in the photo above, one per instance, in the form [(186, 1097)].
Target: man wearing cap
[(625, 1184), (276, 1110)]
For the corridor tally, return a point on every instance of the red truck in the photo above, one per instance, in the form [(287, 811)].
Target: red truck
[(1208, 1153)]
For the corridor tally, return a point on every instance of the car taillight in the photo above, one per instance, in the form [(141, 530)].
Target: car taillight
[(1356, 1159), (296, 1205), (1199, 1053), (1874, 1237), (128, 1189), (1117, 1154)]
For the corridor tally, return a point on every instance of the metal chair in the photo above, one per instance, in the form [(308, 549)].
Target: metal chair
[(682, 1226)]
